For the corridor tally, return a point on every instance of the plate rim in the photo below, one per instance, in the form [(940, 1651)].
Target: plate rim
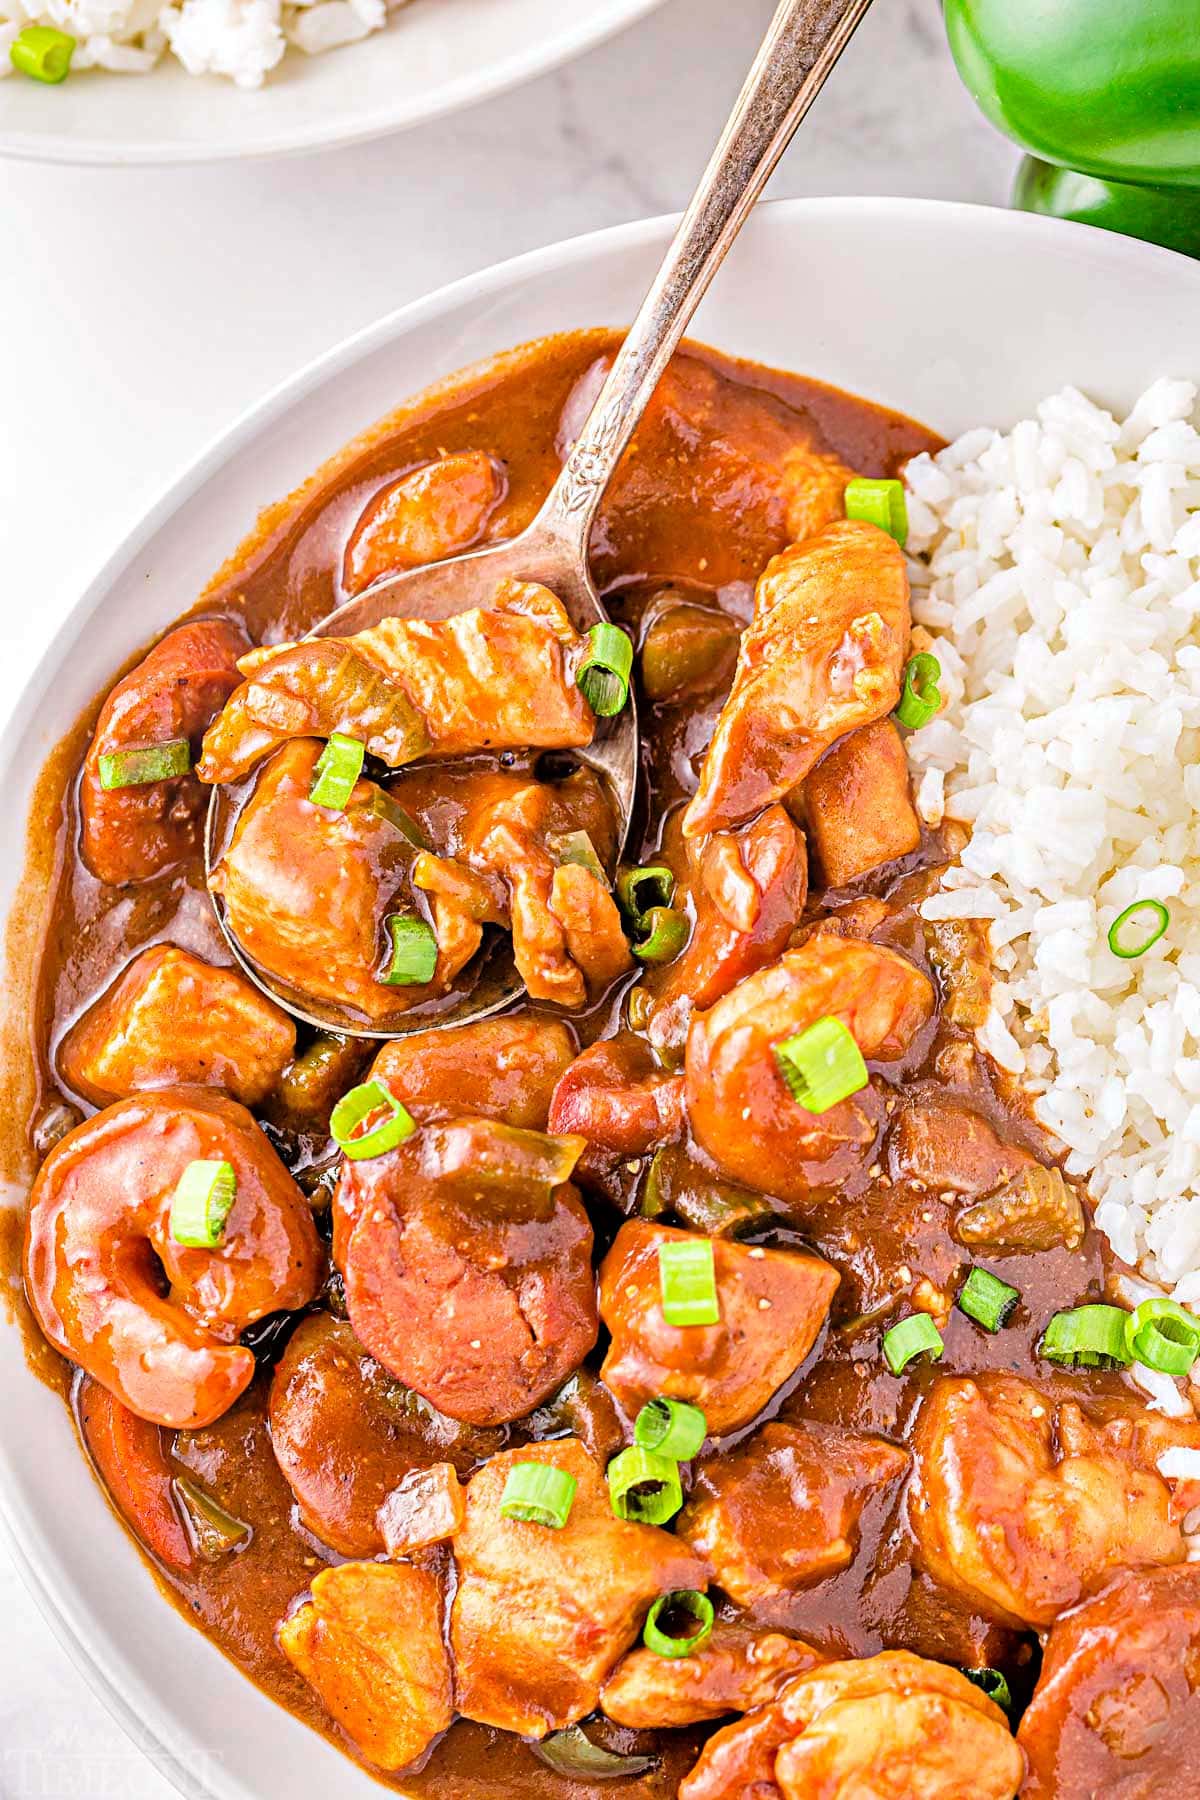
[(511, 71)]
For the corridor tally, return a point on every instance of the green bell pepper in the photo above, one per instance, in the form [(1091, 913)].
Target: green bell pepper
[(1111, 87), (1169, 216)]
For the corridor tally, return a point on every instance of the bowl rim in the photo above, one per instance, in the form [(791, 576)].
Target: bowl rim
[(44, 1581), (539, 57)]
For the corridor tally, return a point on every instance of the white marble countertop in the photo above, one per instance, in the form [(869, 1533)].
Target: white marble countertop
[(142, 310)]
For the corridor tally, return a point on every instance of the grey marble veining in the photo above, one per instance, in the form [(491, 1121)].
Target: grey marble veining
[(289, 256)]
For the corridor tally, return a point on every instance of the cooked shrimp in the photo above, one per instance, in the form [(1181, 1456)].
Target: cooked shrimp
[(98, 1246), (1025, 1504), (893, 1726), (738, 1103), (822, 656)]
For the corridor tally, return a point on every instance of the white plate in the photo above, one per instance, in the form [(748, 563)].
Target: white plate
[(434, 56), (957, 314)]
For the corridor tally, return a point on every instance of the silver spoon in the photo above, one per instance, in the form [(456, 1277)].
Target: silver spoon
[(803, 42)]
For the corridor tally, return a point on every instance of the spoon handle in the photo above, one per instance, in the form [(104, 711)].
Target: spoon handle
[(803, 43)]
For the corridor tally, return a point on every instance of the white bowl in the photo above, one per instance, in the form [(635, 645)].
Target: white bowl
[(956, 314), (434, 57)]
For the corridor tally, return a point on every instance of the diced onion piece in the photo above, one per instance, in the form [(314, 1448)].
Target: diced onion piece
[(201, 1204), (912, 1337), (1163, 1335), (821, 1065), (987, 1299), (380, 802), (671, 1427), (370, 1121), (603, 677), (697, 1608), (144, 764), (687, 1282), (414, 951), (538, 1493), (338, 769), (577, 848), (640, 890), (44, 54), (1091, 1336), (666, 932), (644, 1486), (1133, 931), (879, 502), (920, 696), (994, 1684)]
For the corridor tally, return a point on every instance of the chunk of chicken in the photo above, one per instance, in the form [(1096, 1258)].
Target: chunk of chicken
[(370, 1642), (566, 928), (748, 890), (542, 1616), (346, 1434), (171, 1020), (891, 1727), (1116, 1710), (307, 890), (1026, 1504), (941, 1145), (773, 1303), (433, 512), (858, 804), (131, 833), (782, 1511), (468, 1267), (822, 656), (494, 679), (737, 1670), (739, 1105)]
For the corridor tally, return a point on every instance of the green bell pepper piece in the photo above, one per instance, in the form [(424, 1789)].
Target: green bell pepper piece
[(1168, 216), (1111, 87)]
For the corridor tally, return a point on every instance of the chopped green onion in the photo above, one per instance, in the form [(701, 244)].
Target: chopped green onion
[(698, 1614), (879, 503), (577, 848), (44, 55), (1092, 1336), (414, 951), (1140, 925), (994, 1684), (338, 769), (603, 677), (920, 696), (987, 1299), (639, 891), (666, 932), (538, 1493), (644, 1487), (149, 762), (201, 1204), (912, 1337), (821, 1065), (671, 1427), (1163, 1335), (571, 1752), (687, 1280), (370, 1121)]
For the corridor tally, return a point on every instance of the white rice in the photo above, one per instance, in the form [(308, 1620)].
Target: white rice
[(240, 39), (1058, 579)]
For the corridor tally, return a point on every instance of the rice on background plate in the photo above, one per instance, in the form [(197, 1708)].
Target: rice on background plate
[(241, 39), (1057, 580)]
